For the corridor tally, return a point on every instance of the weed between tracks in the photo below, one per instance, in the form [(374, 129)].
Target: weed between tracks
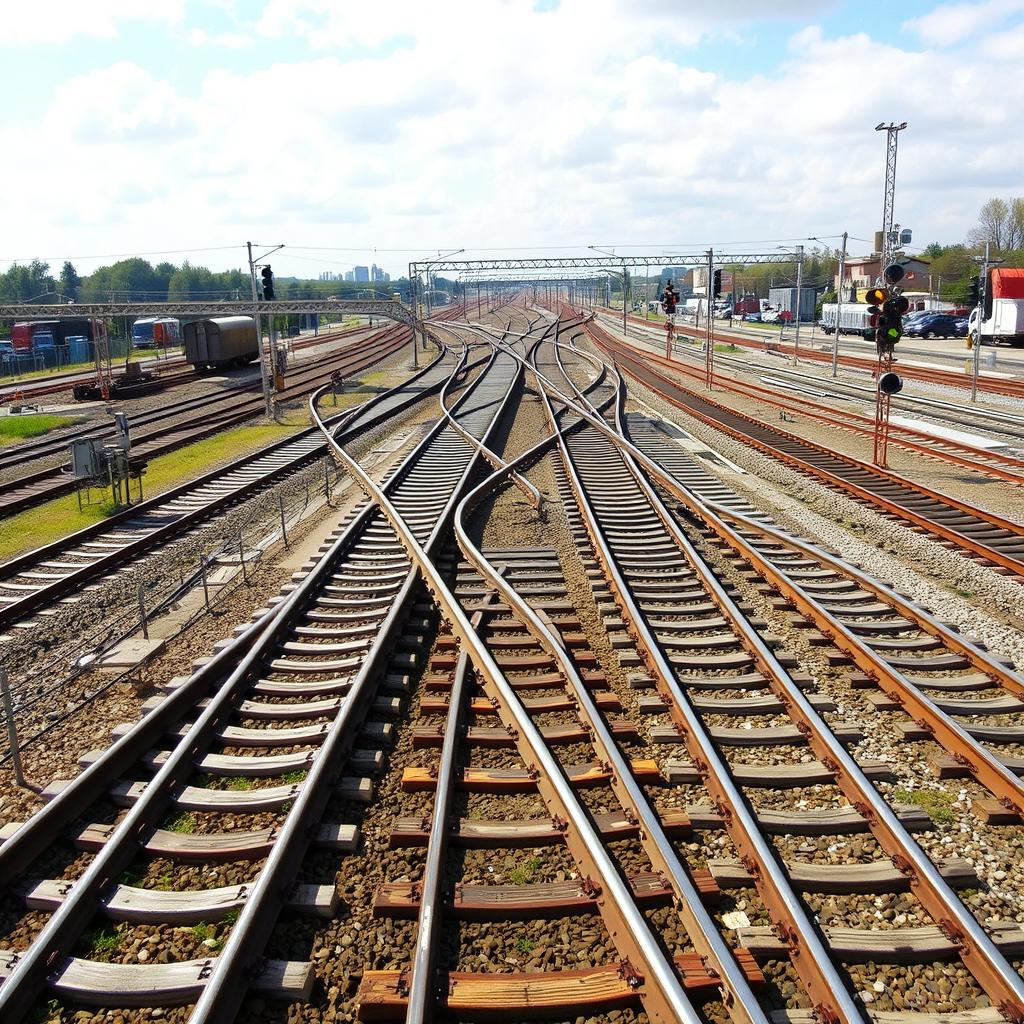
[(102, 943), (525, 873), (937, 804), (182, 823), (206, 934)]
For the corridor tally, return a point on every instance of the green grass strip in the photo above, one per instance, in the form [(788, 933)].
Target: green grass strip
[(56, 518), (15, 427)]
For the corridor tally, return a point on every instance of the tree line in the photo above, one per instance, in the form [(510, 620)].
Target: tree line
[(137, 280), (1000, 224)]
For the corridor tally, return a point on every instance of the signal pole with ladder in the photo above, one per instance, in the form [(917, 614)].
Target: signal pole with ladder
[(885, 351)]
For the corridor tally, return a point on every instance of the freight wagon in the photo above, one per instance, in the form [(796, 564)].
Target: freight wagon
[(221, 342), (853, 318)]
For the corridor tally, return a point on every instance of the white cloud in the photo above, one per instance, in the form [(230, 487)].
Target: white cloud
[(950, 24), (121, 104), (492, 127), (224, 40), (59, 20), (327, 24)]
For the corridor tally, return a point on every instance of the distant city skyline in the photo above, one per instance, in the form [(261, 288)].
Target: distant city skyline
[(371, 273)]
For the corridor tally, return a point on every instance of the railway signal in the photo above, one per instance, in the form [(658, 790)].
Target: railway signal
[(268, 283), (890, 383), (886, 306), (717, 287)]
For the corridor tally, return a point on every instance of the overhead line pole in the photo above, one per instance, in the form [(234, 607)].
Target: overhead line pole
[(265, 373), (799, 296), (709, 342), (839, 306)]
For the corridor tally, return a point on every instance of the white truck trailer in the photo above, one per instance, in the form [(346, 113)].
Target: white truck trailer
[(853, 317), (1002, 317)]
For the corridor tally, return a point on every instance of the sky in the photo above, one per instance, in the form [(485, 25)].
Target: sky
[(355, 133)]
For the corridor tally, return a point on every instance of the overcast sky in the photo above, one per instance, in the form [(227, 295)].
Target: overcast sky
[(361, 132)]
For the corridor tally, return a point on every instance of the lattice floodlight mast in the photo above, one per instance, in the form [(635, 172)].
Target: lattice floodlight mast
[(889, 196)]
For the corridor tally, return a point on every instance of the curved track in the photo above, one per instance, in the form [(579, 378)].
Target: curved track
[(608, 751), (979, 534), (218, 412)]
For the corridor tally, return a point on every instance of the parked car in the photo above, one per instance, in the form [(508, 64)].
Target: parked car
[(935, 325), (752, 318), (961, 327)]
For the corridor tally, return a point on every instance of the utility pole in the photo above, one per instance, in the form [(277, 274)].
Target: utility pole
[(799, 297), (265, 373), (623, 299), (709, 343), (839, 305), (986, 263), (413, 301)]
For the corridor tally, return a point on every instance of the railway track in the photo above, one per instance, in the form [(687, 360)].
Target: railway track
[(987, 462), (176, 364), (45, 581), (981, 535), (612, 789), (951, 690), (57, 445), (304, 675), (218, 412), (959, 381), (646, 556)]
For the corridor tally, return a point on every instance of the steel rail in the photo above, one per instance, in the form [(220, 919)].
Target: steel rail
[(52, 445), (810, 957), (984, 461), (700, 927), (230, 973), (887, 474), (977, 950), (31, 840), (867, 496), (55, 939), (981, 762), (149, 445), (633, 936), (945, 378), (833, 388), (531, 492), (64, 585), (421, 1006)]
